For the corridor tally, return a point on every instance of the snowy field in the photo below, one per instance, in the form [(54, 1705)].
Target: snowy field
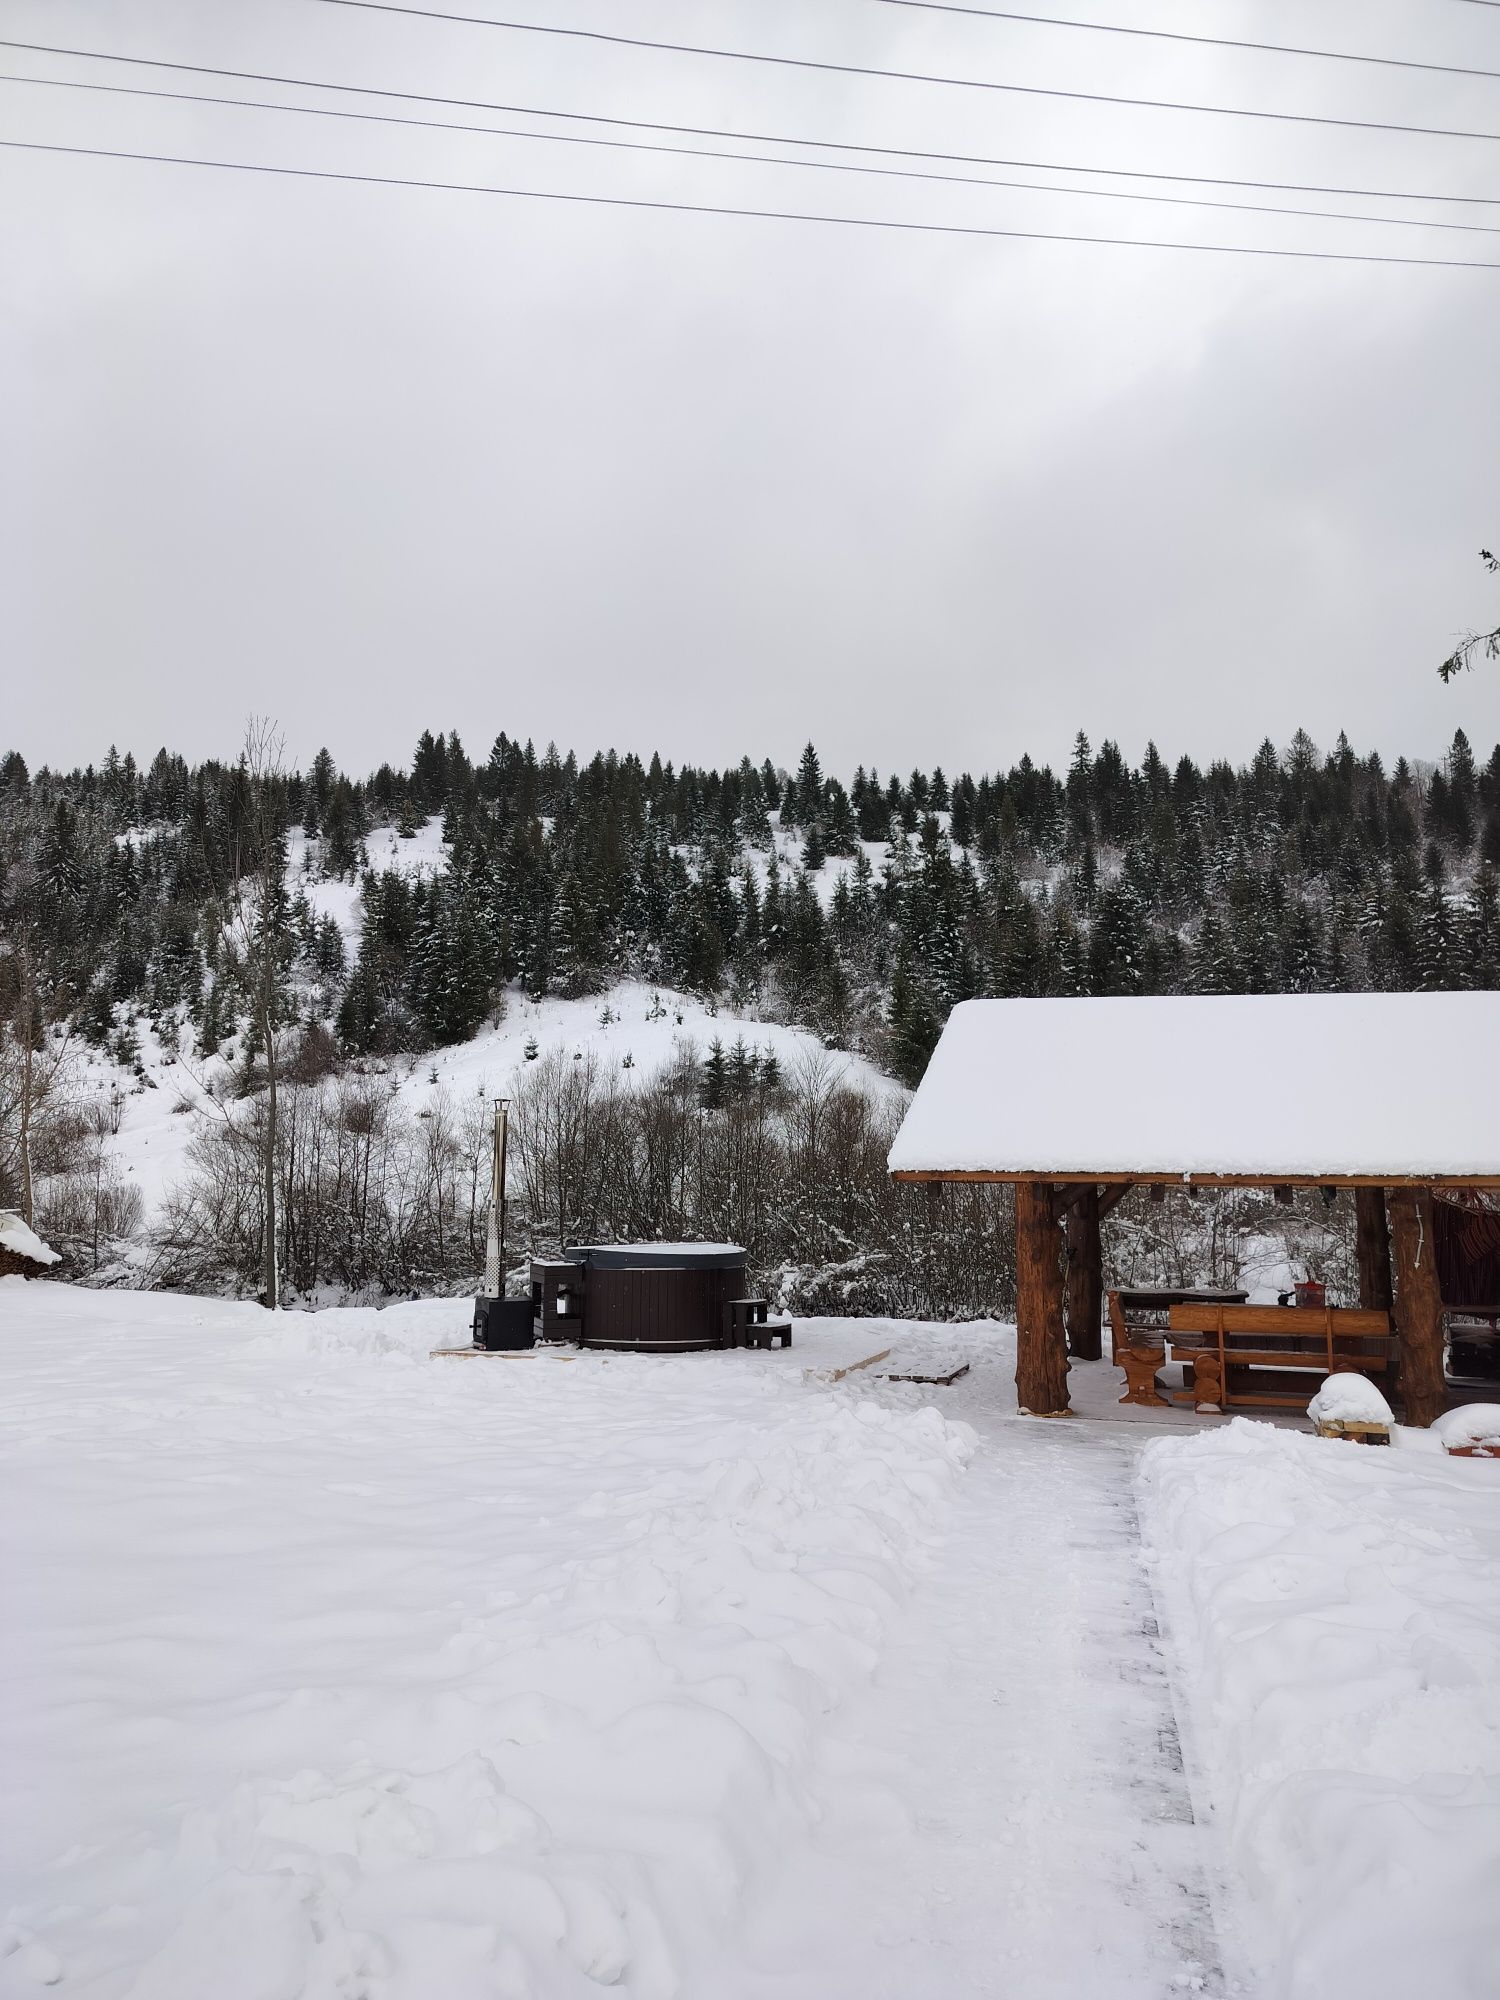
[(332, 1672)]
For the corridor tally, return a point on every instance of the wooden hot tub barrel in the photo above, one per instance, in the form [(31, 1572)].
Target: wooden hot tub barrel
[(657, 1298)]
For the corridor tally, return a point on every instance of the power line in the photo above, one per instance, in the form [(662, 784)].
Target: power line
[(1199, 41), (905, 75), (750, 138), (751, 159), (758, 214)]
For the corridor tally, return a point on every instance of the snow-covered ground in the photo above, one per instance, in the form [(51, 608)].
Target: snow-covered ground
[(1335, 1619), (333, 1671)]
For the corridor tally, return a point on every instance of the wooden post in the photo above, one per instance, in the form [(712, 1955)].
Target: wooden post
[(1419, 1305), (1085, 1275), (1041, 1345), (1373, 1249)]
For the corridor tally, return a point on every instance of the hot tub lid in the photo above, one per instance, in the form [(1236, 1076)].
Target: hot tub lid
[(656, 1256)]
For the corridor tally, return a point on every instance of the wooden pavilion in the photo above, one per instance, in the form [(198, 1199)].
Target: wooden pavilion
[(1393, 1095)]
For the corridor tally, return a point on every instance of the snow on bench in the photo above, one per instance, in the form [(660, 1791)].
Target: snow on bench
[(1472, 1431), (1351, 1406)]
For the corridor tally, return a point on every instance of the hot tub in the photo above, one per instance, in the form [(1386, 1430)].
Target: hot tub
[(660, 1298)]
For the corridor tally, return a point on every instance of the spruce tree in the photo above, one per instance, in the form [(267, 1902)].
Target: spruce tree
[(713, 1087), (1482, 930)]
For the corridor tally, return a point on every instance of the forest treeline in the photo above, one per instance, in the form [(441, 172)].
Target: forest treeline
[(1299, 871), (184, 897)]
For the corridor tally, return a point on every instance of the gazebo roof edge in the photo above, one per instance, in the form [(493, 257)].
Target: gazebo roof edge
[(1169, 1177)]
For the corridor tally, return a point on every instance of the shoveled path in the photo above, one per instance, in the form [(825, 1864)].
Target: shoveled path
[(1027, 1829)]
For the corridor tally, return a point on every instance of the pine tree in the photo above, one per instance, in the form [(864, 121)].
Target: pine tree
[(1436, 953), (1304, 951), (912, 1029), (1482, 930), (740, 1075), (1211, 967), (804, 795), (713, 1087)]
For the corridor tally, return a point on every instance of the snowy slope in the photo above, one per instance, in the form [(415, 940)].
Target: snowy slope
[(1336, 1616), (649, 1026)]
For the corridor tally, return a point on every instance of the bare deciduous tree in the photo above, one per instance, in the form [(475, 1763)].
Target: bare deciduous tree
[(249, 893)]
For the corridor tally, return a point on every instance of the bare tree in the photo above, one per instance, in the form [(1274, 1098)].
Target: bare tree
[(36, 1031), (249, 892)]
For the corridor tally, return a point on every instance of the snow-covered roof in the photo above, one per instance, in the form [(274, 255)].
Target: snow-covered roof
[(14, 1235), (1272, 1087)]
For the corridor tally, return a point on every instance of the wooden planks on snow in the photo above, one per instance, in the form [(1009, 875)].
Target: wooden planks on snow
[(936, 1381)]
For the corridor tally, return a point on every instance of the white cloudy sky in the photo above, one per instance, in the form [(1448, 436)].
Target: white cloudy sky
[(374, 459)]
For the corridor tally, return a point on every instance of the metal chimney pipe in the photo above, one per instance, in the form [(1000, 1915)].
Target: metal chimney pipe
[(494, 1262)]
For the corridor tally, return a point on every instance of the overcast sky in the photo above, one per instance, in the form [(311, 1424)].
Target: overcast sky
[(376, 459)]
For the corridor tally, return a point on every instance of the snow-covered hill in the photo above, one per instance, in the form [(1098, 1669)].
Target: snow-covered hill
[(636, 1030)]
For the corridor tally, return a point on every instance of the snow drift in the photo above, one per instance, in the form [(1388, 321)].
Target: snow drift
[(1335, 1617)]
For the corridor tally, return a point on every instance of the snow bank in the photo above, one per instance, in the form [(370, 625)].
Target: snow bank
[(334, 1671), (1472, 1424), (1349, 1399), (14, 1235), (1335, 1621)]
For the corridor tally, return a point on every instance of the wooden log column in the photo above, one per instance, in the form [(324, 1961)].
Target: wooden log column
[(1085, 1290), (1372, 1248), (1419, 1305), (1041, 1344)]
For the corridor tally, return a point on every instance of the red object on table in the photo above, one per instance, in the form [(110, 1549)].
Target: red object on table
[(1311, 1293)]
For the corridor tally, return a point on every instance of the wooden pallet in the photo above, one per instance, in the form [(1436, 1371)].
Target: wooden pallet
[(1360, 1433), (936, 1381), (485, 1353)]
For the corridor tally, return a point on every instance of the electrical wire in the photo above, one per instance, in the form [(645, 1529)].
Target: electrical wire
[(751, 159), (748, 138), (1176, 35), (904, 75), (758, 214)]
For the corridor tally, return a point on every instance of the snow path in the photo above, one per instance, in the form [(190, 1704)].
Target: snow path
[(1034, 1835)]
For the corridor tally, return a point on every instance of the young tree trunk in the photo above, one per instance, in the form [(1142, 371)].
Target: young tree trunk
[(1373, 1249), (270, 1262), (270, 1271), (1419, 1307), (1085, 1275), (28, 1075), (1041, 1345)]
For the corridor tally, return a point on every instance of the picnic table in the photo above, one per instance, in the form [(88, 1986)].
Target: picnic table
[(1234, 1352)]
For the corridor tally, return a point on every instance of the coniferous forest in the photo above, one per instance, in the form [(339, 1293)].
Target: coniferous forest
[(1297, 872), (860, 908)]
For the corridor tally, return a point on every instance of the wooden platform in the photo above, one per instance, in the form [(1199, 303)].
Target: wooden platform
[(936, 1381), (487, 1353)]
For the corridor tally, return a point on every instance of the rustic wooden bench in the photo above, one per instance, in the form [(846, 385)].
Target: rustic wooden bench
[(1138, 1330), (1243, 1354)]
